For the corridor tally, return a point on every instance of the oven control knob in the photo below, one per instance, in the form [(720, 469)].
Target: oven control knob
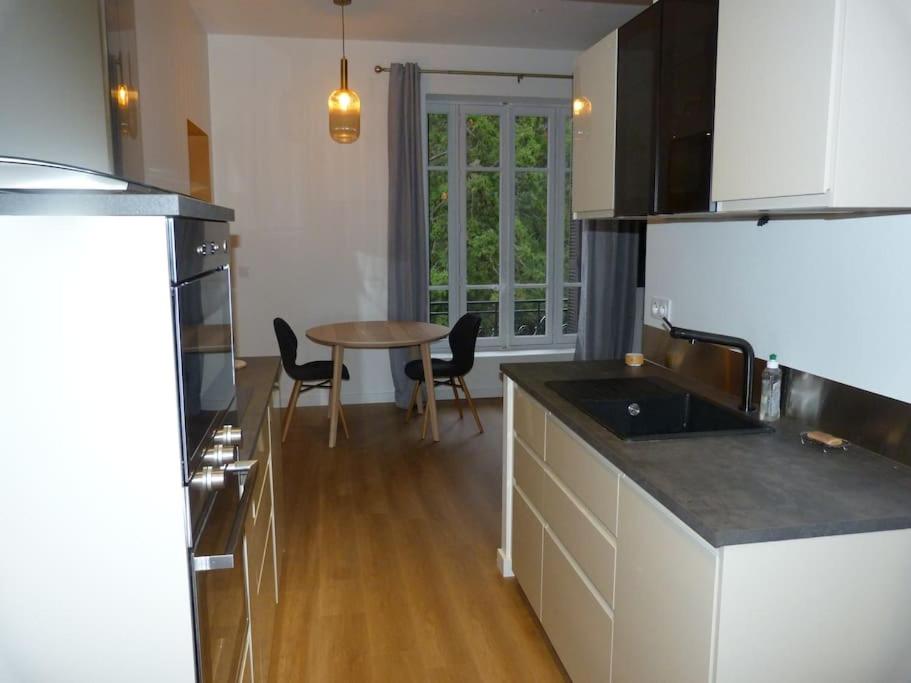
[(229, 435), (219, 455), (213, 247), (202, 249), (208, 479)]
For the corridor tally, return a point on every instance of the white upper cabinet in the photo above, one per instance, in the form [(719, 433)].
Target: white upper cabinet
[(810, 111), (594, 131)]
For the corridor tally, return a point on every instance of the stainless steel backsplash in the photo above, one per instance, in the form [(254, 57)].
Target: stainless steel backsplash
[(881, 424)]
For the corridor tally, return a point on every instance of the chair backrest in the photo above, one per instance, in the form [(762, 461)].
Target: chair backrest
[(287, 343), (462, 340)]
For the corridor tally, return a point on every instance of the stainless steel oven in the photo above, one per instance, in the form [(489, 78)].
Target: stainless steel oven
[(218, 487), (201, 293)]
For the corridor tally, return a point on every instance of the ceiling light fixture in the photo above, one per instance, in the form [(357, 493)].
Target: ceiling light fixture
[(344, 104)]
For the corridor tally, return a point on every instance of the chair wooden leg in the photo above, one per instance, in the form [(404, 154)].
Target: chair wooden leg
[(424, 426), (289, 411), (471, 405), (341, 414), (413, 402), (420, 399), (455, 394)]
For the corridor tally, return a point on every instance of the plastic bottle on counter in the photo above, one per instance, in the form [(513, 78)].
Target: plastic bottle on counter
[(770, 402)]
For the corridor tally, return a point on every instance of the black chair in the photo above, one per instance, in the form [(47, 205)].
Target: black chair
[(462, 340), (316, 374)]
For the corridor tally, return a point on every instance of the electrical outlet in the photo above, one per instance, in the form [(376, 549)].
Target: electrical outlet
[(660, 308)]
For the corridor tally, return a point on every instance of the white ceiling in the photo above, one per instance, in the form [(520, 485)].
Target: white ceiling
[(553, 24)]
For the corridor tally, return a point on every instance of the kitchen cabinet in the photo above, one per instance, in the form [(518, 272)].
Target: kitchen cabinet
[(626, 591), (563, 554), (810, 113), (665, 595), (577, 623), (686, 107), (263, 542), (638, 60), (528, 539), (665, 108), (594, 130)]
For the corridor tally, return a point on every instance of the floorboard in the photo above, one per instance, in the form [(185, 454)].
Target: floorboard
[(390, 571)]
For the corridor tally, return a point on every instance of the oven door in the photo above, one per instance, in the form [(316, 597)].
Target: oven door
[(219, 583), (202, 309)]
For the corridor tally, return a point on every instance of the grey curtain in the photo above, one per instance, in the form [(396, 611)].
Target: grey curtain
[(610, 315), (407, 252)]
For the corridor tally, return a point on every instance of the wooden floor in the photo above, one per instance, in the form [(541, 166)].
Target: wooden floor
[(390, 572)]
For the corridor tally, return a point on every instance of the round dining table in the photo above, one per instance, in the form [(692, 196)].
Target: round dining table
[(377, 334)]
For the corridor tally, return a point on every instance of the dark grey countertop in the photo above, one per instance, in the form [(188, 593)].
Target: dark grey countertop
[(254, 393), (737, 489), (142, 202)]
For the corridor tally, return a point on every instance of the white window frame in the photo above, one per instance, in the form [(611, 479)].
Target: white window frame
[(558, 114)]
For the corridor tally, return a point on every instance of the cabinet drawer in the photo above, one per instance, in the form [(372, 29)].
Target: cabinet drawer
[(261, 455), (584, 472), (528, 474), (528, 421), (527, 532), (579, 628), (263, 617), (257, 537), (589, 547)]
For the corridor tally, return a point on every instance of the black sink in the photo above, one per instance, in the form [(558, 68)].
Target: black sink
[(643, 409)]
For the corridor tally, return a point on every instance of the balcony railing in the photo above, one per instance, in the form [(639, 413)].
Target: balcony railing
[(530, 316)]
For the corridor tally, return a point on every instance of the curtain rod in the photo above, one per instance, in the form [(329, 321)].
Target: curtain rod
[(467, 72)]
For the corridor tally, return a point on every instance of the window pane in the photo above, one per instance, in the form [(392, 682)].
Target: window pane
[(531, 141), (483, 140), (571, 297), (483, 233), (531, 228), (437, 139), (438, 220), (572, 240), (439, 307), (530, 312), (485, 303)]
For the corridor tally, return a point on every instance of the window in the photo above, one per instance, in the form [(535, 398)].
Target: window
[(502, 243)]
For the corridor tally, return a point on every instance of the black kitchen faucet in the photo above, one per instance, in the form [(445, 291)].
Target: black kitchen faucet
[(692, 336)]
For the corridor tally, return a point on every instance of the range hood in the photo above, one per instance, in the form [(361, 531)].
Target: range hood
[(30, 174)]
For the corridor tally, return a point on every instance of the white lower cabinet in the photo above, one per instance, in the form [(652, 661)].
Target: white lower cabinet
[(627, 592), (527, 533), (578, 625), (665, 595)]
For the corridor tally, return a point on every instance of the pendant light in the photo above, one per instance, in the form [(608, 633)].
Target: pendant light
[(344, 104)]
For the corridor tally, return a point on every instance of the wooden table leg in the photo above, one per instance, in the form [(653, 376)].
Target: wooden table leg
[(338, 354), (431, 406)]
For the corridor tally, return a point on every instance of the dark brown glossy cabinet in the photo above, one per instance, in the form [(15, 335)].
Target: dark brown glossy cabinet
[(665, 108), (689, 44), (638, 70)]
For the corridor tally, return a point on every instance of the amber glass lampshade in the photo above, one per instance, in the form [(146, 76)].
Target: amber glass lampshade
[(122, 94), (344, 111)]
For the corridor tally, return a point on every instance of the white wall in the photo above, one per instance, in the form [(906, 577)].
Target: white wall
[(829, 297), (54, 104), (312, 214), (173, 87)]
